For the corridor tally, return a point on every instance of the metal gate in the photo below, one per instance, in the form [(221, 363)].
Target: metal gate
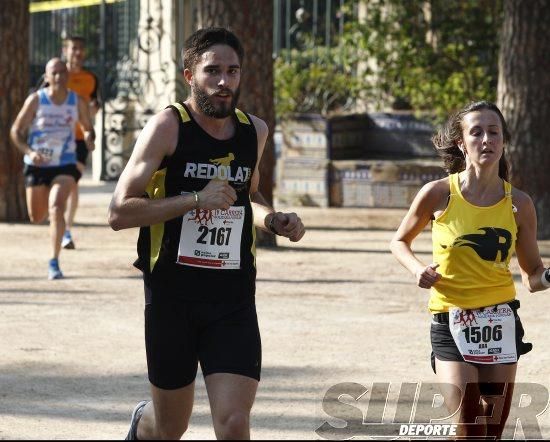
[(132, 50)]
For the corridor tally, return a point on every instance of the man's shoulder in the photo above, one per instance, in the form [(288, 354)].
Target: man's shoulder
[(86, 71), (257, 120), (160, 134), (166, 119), (259, 124), (179, 111), (84, 74), (33, 98)]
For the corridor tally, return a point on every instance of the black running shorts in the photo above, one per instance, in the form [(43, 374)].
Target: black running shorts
[(43, 176), (81, 151), (223, 337), (445, 349)]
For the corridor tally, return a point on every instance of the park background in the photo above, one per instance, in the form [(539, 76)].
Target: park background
[(349, 89)]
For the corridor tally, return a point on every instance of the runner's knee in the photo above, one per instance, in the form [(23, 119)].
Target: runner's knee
[(233, 425), (37, 218), (172, 431), (57, 209)]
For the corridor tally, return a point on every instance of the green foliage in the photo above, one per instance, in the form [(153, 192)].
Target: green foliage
[(429, 55), (315, 80)]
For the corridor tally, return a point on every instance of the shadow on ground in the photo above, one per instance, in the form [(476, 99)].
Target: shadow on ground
[(46, 391)]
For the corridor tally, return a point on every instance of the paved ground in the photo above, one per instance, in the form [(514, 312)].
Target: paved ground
[(334, 308)]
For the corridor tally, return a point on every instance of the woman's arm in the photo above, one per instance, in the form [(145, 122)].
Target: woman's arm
[(527, 250), (433, 196)]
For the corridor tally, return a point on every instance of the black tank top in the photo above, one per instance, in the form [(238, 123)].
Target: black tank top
[(204, 255)]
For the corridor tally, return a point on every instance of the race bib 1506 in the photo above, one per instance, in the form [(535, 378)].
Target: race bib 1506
[(485, 336)]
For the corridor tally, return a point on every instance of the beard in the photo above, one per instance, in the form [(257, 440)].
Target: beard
[(207, 106)]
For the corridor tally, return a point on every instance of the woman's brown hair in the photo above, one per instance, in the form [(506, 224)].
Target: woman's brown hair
[(446, 139)]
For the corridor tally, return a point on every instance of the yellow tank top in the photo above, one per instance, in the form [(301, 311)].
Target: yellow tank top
[(473, 246)]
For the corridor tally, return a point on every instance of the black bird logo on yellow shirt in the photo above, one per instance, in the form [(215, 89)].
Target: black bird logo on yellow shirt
[(487, 244)]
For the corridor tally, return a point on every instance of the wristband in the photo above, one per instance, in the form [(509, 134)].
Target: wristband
[(271, 225), (196, 195), (545, 278)]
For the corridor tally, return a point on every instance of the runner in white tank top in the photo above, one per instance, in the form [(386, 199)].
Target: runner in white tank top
[(52, 133), (44, 132)]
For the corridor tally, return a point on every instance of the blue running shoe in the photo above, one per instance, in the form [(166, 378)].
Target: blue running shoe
[(53, 270), (134, 421), (67, 240)]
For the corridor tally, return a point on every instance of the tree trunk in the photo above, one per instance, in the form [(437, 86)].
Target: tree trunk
[(14, 83), (252, 22), (524, 98)]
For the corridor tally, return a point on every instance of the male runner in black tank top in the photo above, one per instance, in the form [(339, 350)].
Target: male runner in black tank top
[(191, 185)]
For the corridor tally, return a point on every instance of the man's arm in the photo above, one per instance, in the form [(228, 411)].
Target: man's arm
[(20, 128), (93, 108), (130, 208), (284, 224), (95, 98), (86, 122)]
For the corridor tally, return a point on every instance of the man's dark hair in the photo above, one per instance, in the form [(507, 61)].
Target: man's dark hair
[(73, 38), (201, 40)]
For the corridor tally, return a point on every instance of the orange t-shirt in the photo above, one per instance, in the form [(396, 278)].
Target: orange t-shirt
[(84, 83)]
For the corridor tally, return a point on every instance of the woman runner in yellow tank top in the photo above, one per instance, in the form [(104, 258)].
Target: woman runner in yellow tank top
[(478, 221)]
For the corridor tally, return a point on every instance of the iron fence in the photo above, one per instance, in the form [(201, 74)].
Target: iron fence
[(302, 23)]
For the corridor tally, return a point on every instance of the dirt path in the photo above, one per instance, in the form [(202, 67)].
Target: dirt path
[(333, 308)]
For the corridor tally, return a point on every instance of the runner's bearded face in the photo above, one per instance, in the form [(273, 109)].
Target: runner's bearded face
[(216, 81), (211, 104)]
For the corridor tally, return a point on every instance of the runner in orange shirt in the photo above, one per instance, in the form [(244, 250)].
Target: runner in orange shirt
[(85, 84)]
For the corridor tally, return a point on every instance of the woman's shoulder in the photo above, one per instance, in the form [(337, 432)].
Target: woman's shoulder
[(435, 194), (520, 199), (524, 208), (437, 188)]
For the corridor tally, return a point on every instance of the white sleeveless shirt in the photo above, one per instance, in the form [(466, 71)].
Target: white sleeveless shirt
[(52, 132)]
